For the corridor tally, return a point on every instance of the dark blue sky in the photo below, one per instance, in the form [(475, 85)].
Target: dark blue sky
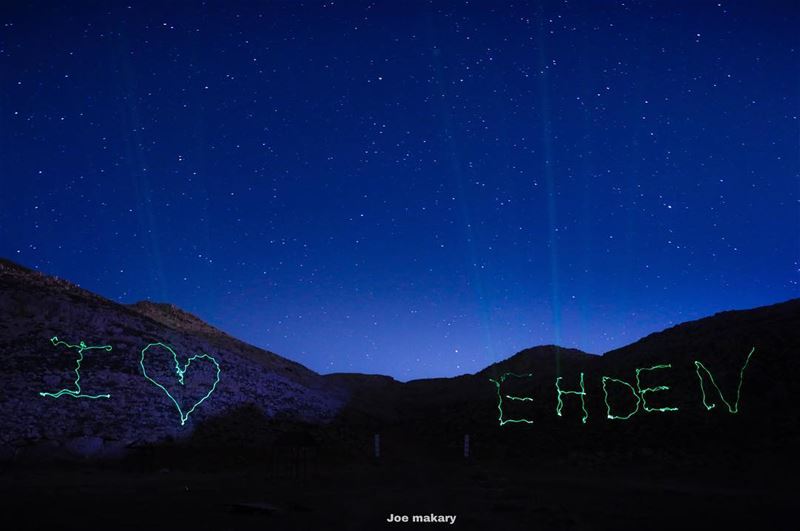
[(409, 188)]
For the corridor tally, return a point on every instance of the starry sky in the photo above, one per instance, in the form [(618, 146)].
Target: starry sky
[(413, 188)]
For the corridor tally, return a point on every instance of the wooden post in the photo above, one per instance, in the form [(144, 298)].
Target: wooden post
[(377, 444), (466, 445)]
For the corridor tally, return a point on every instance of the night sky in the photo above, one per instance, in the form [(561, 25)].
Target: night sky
[(409, 188)]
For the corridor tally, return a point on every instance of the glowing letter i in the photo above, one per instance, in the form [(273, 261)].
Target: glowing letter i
[(76, 393)]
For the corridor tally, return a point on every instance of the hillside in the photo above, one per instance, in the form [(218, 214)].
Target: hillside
[(35, 308), (764, 421)]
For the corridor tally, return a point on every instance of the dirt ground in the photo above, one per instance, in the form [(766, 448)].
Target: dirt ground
[(361, 494)]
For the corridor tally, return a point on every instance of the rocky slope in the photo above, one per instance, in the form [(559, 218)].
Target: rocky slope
[(35, 307)]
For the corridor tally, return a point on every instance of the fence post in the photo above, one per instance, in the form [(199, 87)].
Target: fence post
[(377, 444), (466, 445)]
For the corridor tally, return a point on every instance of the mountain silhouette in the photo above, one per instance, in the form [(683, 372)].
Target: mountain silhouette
[(36, 307)]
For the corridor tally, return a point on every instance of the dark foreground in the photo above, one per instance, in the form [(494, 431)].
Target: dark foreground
[(201, 493)]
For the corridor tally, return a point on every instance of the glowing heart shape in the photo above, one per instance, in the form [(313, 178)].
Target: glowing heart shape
[(181, 371)]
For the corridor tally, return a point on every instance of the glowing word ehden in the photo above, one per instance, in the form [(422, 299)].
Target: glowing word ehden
[(180, 371), (639, 393)]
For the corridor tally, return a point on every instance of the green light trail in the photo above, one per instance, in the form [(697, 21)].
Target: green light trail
[(500, 398), (608, 406), (643, 391), (76, 393), (581, 393), (733, 410), (181, 371)]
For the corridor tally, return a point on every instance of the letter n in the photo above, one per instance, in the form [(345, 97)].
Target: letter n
[(710, 405)]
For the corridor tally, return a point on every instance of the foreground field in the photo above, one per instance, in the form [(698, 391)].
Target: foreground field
[(360, 495)]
